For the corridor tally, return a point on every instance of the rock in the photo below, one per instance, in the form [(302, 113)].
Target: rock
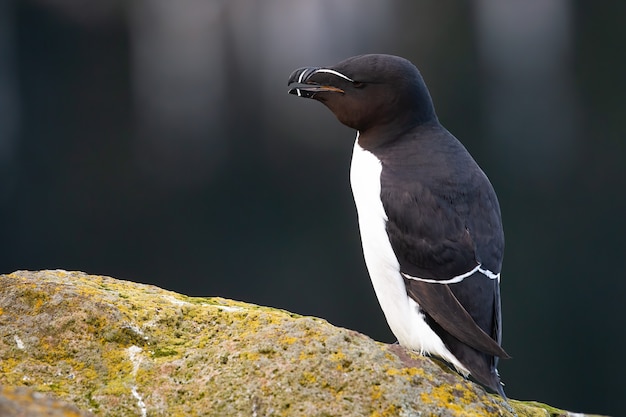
[(24, 402), (119, 348)]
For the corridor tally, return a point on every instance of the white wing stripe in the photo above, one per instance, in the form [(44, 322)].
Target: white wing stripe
[(456, 279), (488, 273)]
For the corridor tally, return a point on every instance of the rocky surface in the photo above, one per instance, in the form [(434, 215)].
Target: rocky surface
[(119, 348), (24, 402)]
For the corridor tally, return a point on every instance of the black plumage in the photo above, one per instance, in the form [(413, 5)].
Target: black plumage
[(442, 217)]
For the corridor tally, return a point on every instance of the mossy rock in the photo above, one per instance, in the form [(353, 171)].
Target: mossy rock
[(24, 402), (119, 348)]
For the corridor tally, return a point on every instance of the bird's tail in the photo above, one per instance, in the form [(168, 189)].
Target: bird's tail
[(482, 368)]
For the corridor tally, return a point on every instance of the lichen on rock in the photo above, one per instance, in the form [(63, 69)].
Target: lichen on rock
[(118, 348)]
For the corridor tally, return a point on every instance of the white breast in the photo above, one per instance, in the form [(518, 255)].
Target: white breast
[(402, 313)]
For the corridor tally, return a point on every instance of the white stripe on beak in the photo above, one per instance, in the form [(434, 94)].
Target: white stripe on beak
[(338, 74)]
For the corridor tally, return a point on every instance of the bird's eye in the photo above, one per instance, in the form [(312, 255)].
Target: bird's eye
[(357, 84)]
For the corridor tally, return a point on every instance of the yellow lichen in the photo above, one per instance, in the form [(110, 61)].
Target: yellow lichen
[(307, 378), (391, 410), (249, 356), (307, 354), (7, 365), (34, 297), (376, 392), (409, 373), (337, 356), (455, 398), (343, 363), (288, 340)]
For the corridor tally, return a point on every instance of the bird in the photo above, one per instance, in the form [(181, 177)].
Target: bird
[(429, 218)]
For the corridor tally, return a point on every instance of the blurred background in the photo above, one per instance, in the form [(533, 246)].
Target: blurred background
[(155, 141)]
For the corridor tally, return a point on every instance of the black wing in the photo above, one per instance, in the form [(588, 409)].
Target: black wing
[(443, 222)]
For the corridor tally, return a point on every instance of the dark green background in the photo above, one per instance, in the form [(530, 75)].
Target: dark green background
[(244, 191)]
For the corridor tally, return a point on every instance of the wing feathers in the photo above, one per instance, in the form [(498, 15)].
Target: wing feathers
[(441, 304)]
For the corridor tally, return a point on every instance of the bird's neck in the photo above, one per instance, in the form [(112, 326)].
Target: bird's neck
[(379, 135)]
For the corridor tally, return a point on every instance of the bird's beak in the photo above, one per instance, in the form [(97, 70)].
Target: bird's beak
[(301, 85)]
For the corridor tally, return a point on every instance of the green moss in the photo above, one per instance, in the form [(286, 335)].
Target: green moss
[(34, 298), (125, 335), (91, 402), (163, 352), (536, 409)]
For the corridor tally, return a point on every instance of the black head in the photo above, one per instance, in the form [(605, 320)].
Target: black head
[(366, 92)]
